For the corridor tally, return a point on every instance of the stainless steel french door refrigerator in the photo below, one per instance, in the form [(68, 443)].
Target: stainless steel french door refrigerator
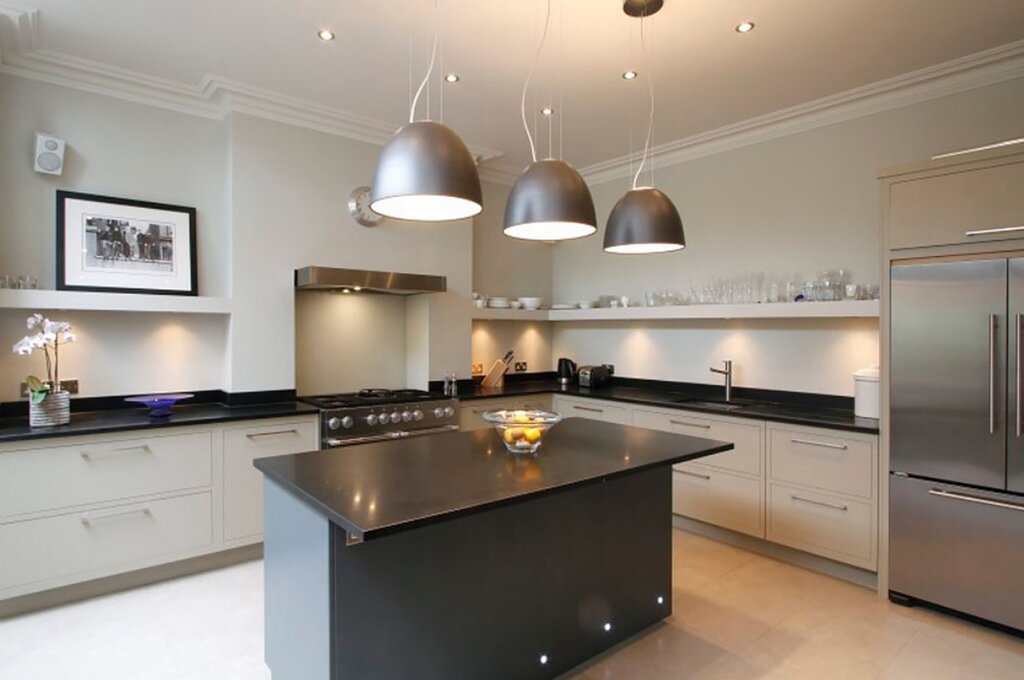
[(956, 503)]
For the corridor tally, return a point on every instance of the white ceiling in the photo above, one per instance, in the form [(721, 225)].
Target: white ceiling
[(706, 74)]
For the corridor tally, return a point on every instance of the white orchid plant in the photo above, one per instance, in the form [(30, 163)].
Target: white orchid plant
[(49, 336)]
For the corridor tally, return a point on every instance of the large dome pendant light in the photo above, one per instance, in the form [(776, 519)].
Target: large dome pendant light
[(644, 220), (426, 173), (549, 201)]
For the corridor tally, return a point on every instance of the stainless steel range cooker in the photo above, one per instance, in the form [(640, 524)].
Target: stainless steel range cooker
[(379, 414)]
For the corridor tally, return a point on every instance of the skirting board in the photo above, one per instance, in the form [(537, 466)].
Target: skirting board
[(132, 579), (854, 575)]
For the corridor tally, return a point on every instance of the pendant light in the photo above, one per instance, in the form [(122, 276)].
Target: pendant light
[(426, 173), (644, 220), (549, 201)]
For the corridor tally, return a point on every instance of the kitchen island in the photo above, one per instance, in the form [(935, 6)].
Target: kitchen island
[(446, 557)]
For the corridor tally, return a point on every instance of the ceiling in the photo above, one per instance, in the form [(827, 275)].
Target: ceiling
[(706, 74)]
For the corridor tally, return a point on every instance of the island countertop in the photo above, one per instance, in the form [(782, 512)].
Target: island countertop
[(373, 490)]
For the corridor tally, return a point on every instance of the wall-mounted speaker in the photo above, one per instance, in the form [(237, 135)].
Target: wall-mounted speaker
[(49, 156)]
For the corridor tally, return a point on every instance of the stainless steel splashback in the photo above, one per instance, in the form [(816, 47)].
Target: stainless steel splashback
[(394, 283)]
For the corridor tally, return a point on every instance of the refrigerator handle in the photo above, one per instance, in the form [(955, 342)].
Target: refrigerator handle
[(1016, 359), (991, 373)]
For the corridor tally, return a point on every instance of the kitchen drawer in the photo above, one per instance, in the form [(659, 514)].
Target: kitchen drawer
[(940, 210), (825, 461), (243, 483), (832, 526), (592, 409), (471, 411), (746, 435), (105, 541), (33, 480), (720, 498)]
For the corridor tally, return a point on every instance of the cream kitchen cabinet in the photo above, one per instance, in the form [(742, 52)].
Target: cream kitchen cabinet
[(725, 489), (243, 483), (593, 409), (73, 509), (471, 412), (823, 493)]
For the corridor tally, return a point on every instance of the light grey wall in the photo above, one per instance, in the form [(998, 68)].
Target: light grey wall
[(344, 343), (289, 188), (798, 204), (507, 266), (531, 342)]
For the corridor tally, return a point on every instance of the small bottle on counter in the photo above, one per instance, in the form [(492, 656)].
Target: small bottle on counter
[(451, 384)]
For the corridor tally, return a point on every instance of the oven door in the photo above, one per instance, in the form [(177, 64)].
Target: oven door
[(333, 442)]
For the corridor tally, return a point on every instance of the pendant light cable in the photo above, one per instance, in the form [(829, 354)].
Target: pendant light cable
[(526, 85), (430, 68), (650, 91)]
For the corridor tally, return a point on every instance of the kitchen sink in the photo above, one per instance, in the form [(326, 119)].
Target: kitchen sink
[(711, 405)]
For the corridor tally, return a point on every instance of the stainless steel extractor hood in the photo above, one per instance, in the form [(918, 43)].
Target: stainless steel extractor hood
[(395, 283)]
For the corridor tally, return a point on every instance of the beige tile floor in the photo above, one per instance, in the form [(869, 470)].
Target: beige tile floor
[(737, 616)]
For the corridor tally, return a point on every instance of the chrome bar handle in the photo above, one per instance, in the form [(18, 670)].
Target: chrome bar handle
[(91, 455), (89, 519), (589, 408), (975, 499), (694, 474), (686, 424), (991, 373), (1017, 359), (275, 433), (826, 445), (823, 504), (994, 230)]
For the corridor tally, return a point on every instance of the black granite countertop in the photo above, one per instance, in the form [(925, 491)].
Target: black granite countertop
[(372, 490), (124, 419), (783, 407)]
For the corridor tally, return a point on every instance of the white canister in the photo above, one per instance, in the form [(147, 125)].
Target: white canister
[(865, 393)]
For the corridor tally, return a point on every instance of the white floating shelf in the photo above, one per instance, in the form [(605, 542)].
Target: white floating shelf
[(511, 314), (778, 310), (64, 300)]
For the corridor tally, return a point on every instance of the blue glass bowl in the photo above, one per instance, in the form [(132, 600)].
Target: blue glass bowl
[(160, 405)]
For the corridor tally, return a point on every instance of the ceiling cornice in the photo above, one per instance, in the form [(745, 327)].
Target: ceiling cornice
[(214, 97), (1002, 63)]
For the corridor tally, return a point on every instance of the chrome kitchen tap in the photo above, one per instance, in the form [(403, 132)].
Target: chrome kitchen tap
[(727, 372)]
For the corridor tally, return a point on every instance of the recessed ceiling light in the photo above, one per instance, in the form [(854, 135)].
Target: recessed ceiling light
[(629, 75), (547, 110), (452, 77), (745, 27), (325, 34)]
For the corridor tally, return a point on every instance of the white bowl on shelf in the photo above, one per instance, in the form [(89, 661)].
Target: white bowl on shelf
[(531, 302)]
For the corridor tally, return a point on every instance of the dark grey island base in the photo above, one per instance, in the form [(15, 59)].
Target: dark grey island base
[(446, 557)]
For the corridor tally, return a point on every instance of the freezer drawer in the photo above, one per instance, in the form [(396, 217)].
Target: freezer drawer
[(958, 547)]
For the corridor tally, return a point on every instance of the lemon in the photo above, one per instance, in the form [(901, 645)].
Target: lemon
[(533, 434)]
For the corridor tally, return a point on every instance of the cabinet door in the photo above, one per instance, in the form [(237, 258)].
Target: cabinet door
[(1015, 397), (471, 412), (823, 460), (243, 483), (961, 207), (592, 409), (746, 436), (720, 498)]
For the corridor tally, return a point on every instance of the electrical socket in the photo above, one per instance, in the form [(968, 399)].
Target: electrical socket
[(520, 367), (68, 385)]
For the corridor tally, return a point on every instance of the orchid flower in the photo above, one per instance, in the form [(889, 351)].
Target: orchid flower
[(49, 335)]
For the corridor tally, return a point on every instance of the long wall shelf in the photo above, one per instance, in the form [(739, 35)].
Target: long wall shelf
[(779, 310), (64, 300)]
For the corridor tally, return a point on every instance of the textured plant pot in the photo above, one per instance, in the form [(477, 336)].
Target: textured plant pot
[(55, 409)]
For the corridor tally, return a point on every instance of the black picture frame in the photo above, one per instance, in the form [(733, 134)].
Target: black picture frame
[(191, 260)]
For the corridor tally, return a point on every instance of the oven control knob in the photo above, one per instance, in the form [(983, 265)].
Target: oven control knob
[(439, 412), (371, 419), (417, 415), (396, 416), (449, 411), (347, 422), (334, 423), (406, 416)]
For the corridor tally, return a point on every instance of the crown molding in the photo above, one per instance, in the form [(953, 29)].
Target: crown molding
[(999, 64), (214, 97)]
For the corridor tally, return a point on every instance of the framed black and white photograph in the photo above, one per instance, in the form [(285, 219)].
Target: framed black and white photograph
[(119, 245)]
